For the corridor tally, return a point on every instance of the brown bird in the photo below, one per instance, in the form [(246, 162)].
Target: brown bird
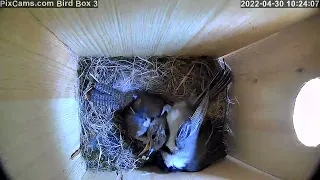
[(147, 105), (136, 126), (157, 133), (145, 109)]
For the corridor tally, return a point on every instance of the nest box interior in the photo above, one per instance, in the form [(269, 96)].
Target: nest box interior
[(272, 53)]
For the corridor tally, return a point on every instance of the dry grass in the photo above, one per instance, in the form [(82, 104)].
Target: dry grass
[(104, 144)]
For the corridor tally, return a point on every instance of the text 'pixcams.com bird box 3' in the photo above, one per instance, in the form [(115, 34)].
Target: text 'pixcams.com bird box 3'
[(272, 53)]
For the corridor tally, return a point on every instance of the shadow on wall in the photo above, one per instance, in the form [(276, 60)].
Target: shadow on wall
[(316, 173), (39, 127), (39, 137), (3, 173), (230, 43), (145, 28), (234, 28)]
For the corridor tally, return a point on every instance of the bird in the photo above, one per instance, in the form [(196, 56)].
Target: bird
[(210, 147), (136, 126), (187, 143), (145, 120), (147, 105), (105, 95), (157, 133)]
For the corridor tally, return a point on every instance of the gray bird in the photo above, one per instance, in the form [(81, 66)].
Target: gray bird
[(184, 124), (184, 117), (187, 141), (105, 95)]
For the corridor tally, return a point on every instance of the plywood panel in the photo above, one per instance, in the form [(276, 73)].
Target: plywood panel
[(156, 27), (128, 27), (268, 77), (33, 62), (38, 137), (233, 28), (39, 126)]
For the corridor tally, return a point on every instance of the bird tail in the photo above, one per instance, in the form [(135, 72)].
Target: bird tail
[(219, 83)]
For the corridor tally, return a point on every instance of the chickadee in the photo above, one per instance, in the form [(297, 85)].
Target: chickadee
[(184, 122), (147, 105), (157, 133), (136, 126), (146, 121)]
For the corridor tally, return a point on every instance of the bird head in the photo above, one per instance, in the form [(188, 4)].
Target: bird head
[(156, 133), (156, 136)]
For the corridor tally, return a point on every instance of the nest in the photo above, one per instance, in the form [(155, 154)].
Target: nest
[(104, 142)]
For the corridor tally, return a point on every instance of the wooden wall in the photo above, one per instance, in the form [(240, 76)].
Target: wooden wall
[(39, 126), (156, 27), (268, 76)]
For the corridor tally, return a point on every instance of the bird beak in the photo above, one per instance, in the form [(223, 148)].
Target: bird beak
[(167, 108), (151, 150), (147, 148)]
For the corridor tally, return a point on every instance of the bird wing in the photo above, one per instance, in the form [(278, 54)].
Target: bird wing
[(183, 133), (191, 127), (221, 79), (160, 138), (220, 82), (198, 116)]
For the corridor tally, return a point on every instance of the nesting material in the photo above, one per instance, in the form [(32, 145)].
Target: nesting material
[(110, 82)]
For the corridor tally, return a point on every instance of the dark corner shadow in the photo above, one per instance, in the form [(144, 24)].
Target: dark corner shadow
[(151, 169), (3, 173), (316, 172)]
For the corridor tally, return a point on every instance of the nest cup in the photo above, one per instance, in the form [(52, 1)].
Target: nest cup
[(104, 142)]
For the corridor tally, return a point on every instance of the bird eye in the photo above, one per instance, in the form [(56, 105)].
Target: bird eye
[(153, 136)]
